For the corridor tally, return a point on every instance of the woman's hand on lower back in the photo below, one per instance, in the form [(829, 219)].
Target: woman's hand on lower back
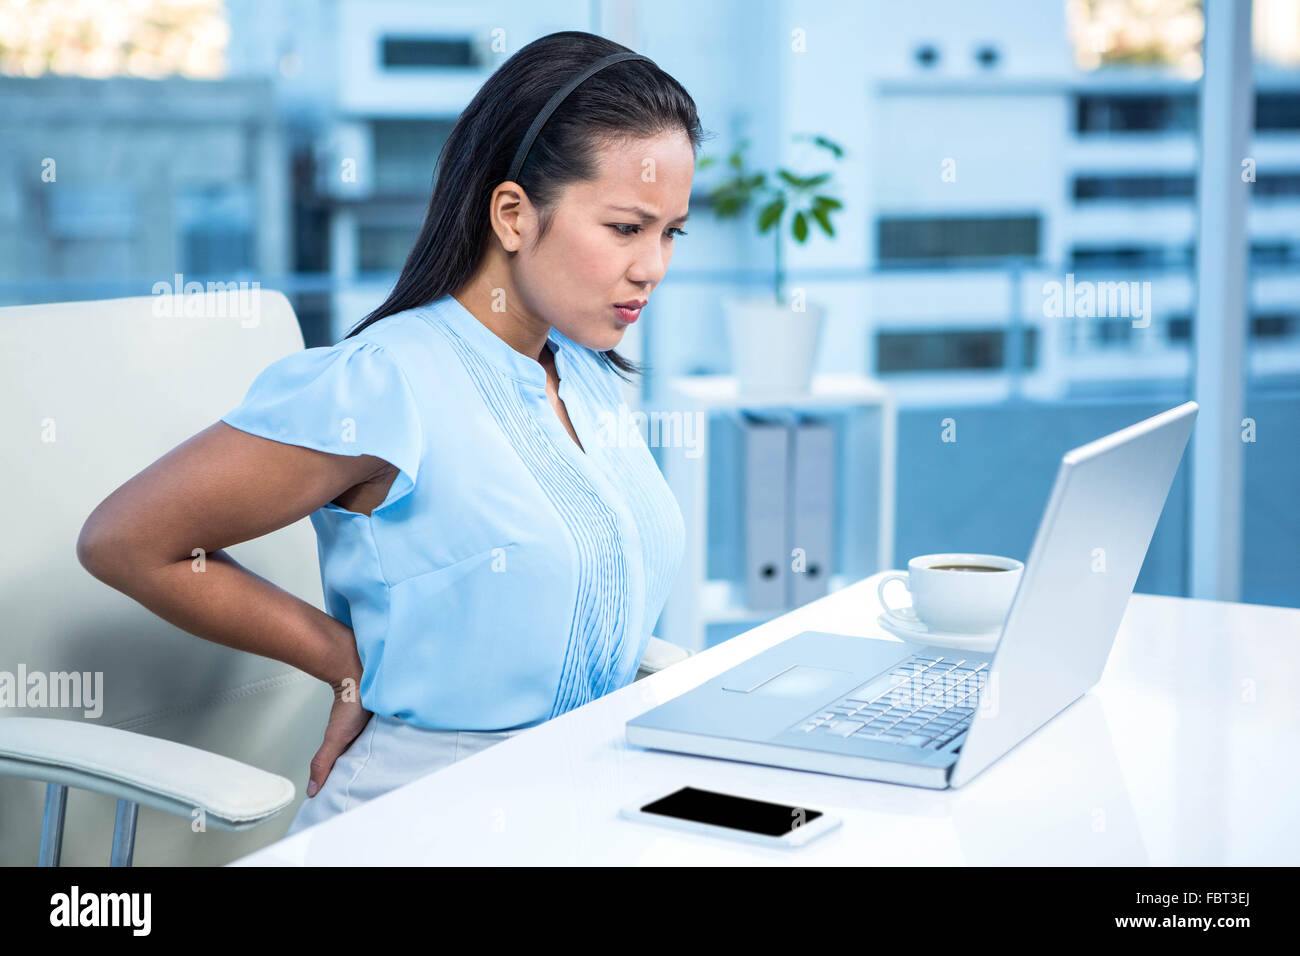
[(347, 719)]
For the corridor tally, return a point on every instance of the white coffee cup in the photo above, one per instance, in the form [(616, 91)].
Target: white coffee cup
[(947, 598)]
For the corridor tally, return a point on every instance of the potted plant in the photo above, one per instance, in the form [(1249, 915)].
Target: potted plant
[(774, 341)]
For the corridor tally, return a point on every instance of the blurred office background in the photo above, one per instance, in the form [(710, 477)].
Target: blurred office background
[(989, 149)]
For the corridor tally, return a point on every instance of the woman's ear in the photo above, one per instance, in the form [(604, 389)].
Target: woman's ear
[(512, 215)]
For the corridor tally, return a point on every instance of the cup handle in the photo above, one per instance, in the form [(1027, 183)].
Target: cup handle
[(880, 591)]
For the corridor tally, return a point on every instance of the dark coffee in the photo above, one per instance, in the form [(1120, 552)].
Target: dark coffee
[(965, 567)]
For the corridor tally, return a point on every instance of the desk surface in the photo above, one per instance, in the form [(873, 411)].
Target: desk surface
[(1177, 757)]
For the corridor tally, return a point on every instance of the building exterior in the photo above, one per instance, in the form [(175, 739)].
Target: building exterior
[(993, 192), (109, 185)]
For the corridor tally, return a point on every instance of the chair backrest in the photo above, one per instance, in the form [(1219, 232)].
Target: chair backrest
[(90, 394)]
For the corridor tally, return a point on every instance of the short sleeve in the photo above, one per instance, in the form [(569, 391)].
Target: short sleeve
[(348, 399)]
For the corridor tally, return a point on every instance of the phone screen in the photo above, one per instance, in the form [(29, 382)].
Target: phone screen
[(736, 813)]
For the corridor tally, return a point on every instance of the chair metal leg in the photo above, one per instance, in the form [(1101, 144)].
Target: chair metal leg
[(56, 804), (124, 833)]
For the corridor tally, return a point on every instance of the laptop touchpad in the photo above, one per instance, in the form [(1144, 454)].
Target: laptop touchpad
[(797, 681)]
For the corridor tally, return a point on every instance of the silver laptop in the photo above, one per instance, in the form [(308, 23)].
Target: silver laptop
[(933, 717)]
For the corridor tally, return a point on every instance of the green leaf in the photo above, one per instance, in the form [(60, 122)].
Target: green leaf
[(771, 214), (826, 202), (706, 161), (800, 226), (825, 143), (816, 180), (824, 221), (790, 178), (735, 161), (728, 204)]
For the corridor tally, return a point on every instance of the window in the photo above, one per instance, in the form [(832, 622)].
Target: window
[(92, 231), (1270, 253), (1179, 329), (406, 152), (1129, 113), (1263, 325), (91, 212), (904, 240), (1130, 188), (215, 226), (383, 247), (424, 52), (1269, 506), (1277, 111), (1274, 325), (1268, 185), (938, 350), (1128, 256), (1173, 112), (1108, 332)]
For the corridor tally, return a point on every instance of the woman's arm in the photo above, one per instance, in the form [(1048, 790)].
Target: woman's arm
[(219, 488)]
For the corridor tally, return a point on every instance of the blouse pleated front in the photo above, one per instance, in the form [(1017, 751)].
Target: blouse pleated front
[(509, 576)]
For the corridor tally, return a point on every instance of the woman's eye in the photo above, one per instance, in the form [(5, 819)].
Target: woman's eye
[(671, 230)]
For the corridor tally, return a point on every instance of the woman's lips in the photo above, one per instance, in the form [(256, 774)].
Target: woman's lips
[(627, 315)]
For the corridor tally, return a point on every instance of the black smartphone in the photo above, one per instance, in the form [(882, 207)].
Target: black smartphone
[(724, 814)]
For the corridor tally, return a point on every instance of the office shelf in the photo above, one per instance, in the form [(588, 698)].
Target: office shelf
[(863, 410)]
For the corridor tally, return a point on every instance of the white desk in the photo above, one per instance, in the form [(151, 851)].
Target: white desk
[(1182, 754)]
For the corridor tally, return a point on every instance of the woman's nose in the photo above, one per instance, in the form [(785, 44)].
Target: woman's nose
[(648, 268)]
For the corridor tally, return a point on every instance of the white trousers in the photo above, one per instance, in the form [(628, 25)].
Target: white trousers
[(387, 754)]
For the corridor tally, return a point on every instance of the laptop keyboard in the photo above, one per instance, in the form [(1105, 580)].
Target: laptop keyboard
[(923, 702)]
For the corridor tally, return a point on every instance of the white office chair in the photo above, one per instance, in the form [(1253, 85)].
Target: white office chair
[(91, 393)]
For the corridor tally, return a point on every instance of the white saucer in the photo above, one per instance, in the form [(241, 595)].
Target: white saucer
[(904, 624)]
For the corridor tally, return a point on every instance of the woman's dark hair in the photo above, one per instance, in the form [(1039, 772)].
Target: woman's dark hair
[(629, 99)]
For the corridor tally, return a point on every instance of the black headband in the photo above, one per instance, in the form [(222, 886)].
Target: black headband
[(527, 143)]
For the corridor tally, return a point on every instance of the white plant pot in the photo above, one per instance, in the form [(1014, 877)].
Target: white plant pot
[(773, 347)]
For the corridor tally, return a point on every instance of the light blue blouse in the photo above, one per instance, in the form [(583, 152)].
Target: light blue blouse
[(508, 577)]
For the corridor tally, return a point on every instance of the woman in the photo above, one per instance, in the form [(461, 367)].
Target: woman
[(489, 560)]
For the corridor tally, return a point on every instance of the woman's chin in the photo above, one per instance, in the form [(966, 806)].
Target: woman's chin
[(601, 340)]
